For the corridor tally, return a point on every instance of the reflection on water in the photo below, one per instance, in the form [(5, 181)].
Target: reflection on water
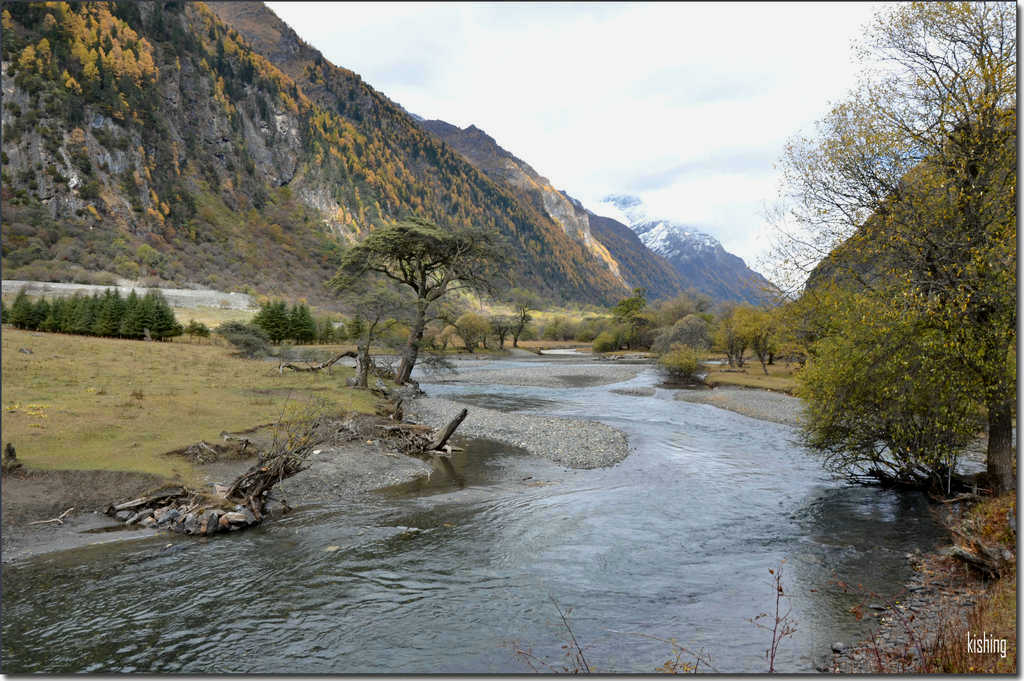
[(452, 574)]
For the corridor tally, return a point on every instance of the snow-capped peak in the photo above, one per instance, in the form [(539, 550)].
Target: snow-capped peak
[(665, 237)]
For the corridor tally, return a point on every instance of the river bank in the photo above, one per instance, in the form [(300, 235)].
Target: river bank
[(945, 605), (337, 471)]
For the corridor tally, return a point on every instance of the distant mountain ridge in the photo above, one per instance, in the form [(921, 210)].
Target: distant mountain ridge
[(610, 241), (698, 257)]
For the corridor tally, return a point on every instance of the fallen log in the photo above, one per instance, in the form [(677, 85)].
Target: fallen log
[(448, 431), (978, 562), (405, 427), (315, 367)]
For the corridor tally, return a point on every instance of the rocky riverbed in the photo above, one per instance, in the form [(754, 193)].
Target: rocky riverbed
[(941, 592), (571, 442), (759, 404)]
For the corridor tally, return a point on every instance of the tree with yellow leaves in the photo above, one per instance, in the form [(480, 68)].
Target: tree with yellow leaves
[(908, 192)]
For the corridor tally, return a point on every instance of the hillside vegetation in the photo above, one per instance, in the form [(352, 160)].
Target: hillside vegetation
[(153, 140)]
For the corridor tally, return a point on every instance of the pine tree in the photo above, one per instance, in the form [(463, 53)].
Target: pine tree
[(40, 311), (273, 319), (132, 322), (21, 310), (85, 313), (164, 325), (301, 327), (111, 310), (52, 321)]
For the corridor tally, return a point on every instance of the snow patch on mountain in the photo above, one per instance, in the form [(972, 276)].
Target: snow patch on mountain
[(671, 239)]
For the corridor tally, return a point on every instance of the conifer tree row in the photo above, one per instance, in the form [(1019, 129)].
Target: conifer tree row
[(107, 315), (281, 323)]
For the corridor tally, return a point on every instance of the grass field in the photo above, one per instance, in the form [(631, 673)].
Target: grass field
[(81, 403), (781, 376), (212, 316)]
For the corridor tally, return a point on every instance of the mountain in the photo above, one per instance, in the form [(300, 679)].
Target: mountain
[(697, 257), (564, 257), (185, 143), (609, 241)]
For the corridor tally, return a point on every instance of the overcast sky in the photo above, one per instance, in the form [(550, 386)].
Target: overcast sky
[(687, 105)]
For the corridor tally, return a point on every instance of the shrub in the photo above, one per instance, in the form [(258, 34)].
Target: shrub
[(680, 363), (199, 329), (605, 342), (472, 329), (249, 340)]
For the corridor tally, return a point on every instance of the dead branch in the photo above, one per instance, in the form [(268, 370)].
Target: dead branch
[(59, 519)]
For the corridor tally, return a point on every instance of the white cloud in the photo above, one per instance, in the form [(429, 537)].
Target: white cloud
[(686, 105)]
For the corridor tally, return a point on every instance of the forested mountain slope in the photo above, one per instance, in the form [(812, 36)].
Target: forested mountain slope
[(155, 140)]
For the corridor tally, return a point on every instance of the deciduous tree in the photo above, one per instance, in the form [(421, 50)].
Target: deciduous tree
[(908, 190)]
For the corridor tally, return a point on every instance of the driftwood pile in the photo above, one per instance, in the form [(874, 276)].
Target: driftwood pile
[(243, 503), (187, 512)]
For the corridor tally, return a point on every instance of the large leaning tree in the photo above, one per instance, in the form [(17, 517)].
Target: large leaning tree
[(431, 261), (908, 193)]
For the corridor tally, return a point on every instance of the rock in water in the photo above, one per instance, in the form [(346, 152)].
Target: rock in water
[(838, 647)]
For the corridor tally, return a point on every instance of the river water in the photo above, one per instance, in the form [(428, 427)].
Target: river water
[(459, 573)]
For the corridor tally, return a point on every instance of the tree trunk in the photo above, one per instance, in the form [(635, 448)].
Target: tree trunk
[(449, 430), (1000, 458), (364, 365), (412, 348)]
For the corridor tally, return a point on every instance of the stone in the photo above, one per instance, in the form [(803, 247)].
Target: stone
[(876, 606), (123, 515), (168, 514), (233, 517), (838, 647), (211, 521), (224, 522)]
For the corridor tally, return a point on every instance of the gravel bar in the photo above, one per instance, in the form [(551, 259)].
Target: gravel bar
[(571, 442), (759, 404)]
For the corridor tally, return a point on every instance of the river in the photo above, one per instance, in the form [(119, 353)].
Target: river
[(458, 574)]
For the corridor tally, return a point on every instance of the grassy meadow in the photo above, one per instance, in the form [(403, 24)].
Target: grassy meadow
[(781, 376), (84, 403)]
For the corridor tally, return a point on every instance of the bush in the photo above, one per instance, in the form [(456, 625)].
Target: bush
[(680, 363), (605, 342), (199, 329), (472, 329), (249, 340)]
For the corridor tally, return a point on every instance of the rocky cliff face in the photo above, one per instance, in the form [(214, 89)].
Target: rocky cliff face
[(191, 144), (340, 90), (697, 257), (482, 151)]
